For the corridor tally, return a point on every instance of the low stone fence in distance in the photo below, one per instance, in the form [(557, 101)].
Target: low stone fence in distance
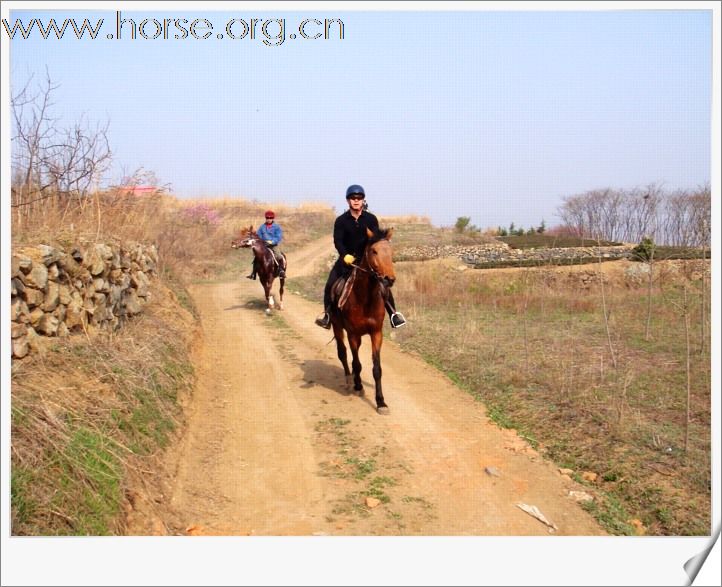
[(88, 286), (500, 254)]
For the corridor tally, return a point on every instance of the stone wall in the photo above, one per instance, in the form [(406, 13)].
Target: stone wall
[(55, 292), (502, 253)]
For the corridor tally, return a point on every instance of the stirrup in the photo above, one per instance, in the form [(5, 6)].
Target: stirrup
[(251, 276), (324, 321), (397, 320)]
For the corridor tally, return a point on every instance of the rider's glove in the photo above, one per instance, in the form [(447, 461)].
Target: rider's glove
[(269, 242), (348, 259)]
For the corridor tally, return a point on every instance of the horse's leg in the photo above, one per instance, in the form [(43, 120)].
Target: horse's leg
[(376, 339), (280, 293), (354, 341), (267, 291), (341, 351)]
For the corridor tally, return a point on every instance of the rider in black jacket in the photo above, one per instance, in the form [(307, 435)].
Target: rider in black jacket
[(350, 239)]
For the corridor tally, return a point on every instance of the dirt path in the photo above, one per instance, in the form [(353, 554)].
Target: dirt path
[(277, 446)]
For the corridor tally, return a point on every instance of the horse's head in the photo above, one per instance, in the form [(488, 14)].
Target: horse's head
[(379, 256), (247, 238)]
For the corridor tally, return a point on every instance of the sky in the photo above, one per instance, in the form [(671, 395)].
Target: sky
[(494, 111), (495, 115)]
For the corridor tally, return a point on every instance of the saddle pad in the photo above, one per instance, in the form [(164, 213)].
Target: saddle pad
[(347, 289)]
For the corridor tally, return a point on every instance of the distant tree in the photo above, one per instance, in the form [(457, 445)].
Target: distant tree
[(542, 227), (512, 229), (644, 251), (462, 222), (501, 231)]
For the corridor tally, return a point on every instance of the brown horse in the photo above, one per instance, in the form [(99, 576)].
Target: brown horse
[(364, 309), (267, 263)]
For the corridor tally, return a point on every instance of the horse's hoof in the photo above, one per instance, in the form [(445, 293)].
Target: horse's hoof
[(360, 392), (268, 311), (383, 410)]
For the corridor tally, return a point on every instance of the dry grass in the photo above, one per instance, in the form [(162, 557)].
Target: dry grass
[(532, 344), (192, 236)]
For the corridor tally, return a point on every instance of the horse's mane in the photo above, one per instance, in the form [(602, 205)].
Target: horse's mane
[(381, 234)]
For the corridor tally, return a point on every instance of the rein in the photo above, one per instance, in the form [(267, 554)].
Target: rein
[(370, 270)]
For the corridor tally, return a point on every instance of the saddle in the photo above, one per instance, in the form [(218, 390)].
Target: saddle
[(279, 260), (341, 289)]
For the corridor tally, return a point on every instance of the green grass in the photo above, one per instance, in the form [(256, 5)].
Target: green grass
[(77, 439)]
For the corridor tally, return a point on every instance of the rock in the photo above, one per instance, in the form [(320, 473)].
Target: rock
[(71, 266), (34, 297), (64, 294), (62, 330), (37, 277), (48, 325), (33, 339), (52, 297), (140, 281), (53, 272), (568, 472), (20, 347), (372, 502), (580, 496), (104, 251), (60, 312), (75, 314), (35, 315), (115, 276), (493, 471), (115, 295), (49, 254), (566, 478), (21, 264), (18, 310), (100, 285), (589, 476), (17, 330), (131, 304), (17, 287), (93, 262)]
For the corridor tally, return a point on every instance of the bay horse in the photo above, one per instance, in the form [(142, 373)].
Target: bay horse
[(363, 310), (267, 267)]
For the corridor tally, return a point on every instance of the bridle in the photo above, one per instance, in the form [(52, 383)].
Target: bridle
[(371, 271)]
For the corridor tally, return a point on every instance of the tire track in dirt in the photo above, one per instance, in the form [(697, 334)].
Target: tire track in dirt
[(276, 445)]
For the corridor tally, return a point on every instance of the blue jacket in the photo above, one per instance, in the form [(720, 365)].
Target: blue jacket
[(273, 234)]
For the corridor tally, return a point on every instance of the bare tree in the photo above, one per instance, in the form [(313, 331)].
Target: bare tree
[(52, 164)]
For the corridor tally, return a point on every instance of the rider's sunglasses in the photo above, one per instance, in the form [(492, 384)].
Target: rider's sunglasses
[(269, 218), (356, 198)]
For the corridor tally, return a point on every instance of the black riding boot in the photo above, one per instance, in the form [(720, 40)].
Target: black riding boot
[(396, 319), (324, 320)]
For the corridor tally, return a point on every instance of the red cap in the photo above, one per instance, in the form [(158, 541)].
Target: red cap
[(270, 214)]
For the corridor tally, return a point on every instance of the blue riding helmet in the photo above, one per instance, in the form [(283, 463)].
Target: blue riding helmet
[(355, 189)]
